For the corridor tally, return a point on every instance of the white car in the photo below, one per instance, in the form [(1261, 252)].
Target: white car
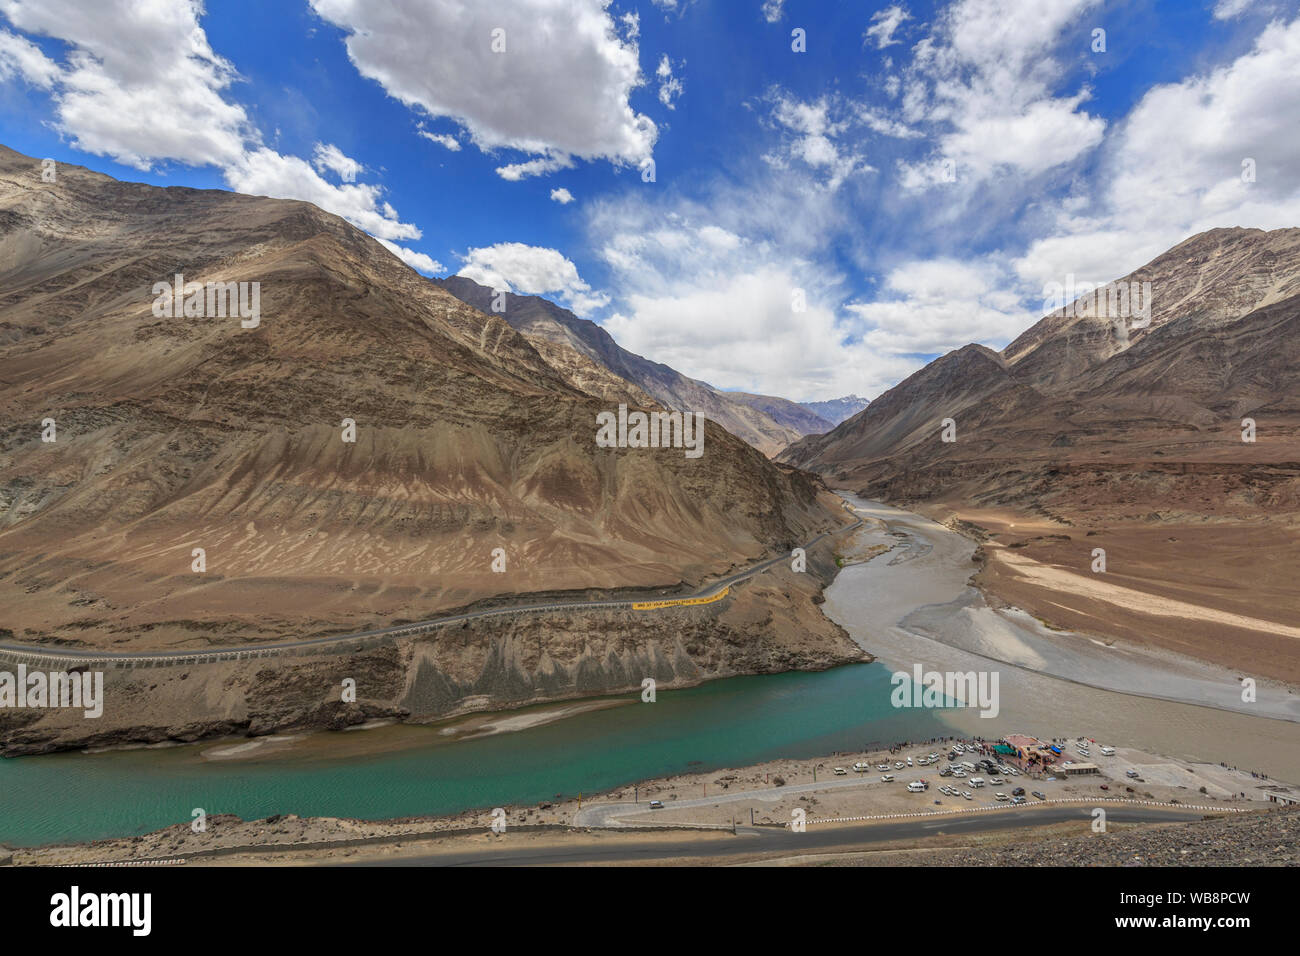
[(967, 795), (916, 786), (840, 771), (882, 766), (996, 781), (1130, 773), (1001, 796), (899, 765), (959, 773), (861, 767), (909, 761), (1108, 751), (932, 757), (887, 778)]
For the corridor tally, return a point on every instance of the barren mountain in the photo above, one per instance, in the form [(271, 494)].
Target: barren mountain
[(836, 410), (179, 433), (767, 423), (1130, 433)]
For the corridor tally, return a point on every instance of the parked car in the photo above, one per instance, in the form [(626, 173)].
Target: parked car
[(882, 766), (861, 767), (967, 795), (1108, 751), (887, 778), (916, 786), (1001, 796), (1104, 787), (1040, 795), (1017, 800), (909, 761), (996, 781), (656, 804), (1130, 773), (899, 765), (840, 772), (1018, 792)]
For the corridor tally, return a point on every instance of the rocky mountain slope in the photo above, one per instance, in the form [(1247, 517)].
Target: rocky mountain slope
[(173, 434), (767, 423)]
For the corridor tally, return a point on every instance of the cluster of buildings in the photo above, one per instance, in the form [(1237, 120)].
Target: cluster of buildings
[(1038, 756)]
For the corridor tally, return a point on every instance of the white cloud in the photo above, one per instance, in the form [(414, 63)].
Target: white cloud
[(562, 196), (670, 87), (21, 57), (884, 24), (1229, 9), (329, 156), (442, 139), (708, 287), (416, 260), (986, 80), (938, 305), (534, 167), (532, 270), (559, 90), (812, 137), (264, 172), (1175, 167), (143, 85), (772, 10)]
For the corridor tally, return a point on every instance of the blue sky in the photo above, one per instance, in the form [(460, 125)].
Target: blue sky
[(913, 178)]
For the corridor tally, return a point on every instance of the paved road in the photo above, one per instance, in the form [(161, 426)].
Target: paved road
[(749, 840), (29, 653)]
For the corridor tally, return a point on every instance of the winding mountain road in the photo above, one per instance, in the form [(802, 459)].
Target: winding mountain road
[(64, 657)]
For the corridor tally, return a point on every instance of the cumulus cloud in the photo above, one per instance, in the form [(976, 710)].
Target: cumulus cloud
[(330, 157), (813, 136), (532, 270), (883, 26), (562, 196), (933, 306), (986, 80), (550, 78), (20, 57), (772, 10), (143, 85), (670, 87), (1179, 163), (416, 260)]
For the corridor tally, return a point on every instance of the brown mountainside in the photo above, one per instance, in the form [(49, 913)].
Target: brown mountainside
[(183, 433)]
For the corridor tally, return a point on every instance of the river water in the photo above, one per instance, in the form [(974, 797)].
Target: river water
[(906, 607)]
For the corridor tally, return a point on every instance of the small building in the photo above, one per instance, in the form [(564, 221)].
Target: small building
[(1075, 769), (1286, 799)]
